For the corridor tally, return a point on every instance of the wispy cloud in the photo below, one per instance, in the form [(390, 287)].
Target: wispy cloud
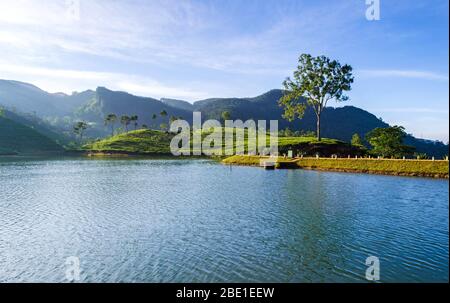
[(77, 80), (188, 32), (393, 73)]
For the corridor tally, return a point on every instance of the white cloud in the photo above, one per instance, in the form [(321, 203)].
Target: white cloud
[(63, 80)]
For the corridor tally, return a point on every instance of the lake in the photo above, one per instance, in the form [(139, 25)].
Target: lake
[(157, 220)]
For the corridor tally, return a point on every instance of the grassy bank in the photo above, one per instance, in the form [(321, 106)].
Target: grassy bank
[(419, 168)]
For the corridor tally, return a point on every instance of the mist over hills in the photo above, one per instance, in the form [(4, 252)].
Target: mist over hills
[(16, 137), (60, 111)]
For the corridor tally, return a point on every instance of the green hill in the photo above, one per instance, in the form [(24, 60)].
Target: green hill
[(16, 138), (62, 111), (146, 141), (141, 141)]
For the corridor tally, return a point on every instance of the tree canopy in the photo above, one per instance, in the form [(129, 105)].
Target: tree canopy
[(79, 128), (316, 81), (388, 142), (356, 140)]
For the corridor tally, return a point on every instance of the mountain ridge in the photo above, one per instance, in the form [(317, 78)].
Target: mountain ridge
[(93, 105)]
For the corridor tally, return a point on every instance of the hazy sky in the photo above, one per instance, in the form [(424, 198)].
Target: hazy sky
[(198, 49)]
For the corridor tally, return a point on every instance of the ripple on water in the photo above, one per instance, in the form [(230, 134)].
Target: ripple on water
[(198, 221)]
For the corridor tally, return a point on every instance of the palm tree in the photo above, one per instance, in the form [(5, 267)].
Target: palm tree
[(111, 119), (125, 120), (226, 116), (154, 116), (134, 119), (79, 129)]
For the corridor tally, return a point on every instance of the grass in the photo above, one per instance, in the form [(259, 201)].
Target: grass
[(141, 141), (422, 168), (146, 141), (284, 141)]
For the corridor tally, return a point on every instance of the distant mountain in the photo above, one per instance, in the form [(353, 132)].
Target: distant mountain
[(16, 138), (121, 103), (339, 123), (180, 104), (62, 110), (27, 98)]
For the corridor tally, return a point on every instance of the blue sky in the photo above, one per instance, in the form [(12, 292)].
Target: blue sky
[(193, 50)]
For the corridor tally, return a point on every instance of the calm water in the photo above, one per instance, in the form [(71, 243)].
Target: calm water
[(199, 221)]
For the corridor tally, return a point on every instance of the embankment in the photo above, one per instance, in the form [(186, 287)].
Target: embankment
[(414, 168)]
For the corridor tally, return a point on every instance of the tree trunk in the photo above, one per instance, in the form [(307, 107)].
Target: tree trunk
[(319, 138)]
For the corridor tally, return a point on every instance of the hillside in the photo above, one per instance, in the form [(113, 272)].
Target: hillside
[(62, 111), (39, 125), (340, 123), (16, 138), (139, 141), (27, 98), (180, 104), (122, 103), (145, 141)]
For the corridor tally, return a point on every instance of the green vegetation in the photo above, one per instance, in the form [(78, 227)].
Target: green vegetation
[(146, 141), (16, 138), (125, 121), (79, 129), (421, 168), (111, 120), (388, 142), (356, 140), (226, 116), (134, 119), (142, 141), (55, 114), (316, 81)]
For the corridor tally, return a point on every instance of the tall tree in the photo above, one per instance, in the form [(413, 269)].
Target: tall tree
[(134, 119), (154, 116), (316, 81), (111, 119), (226, 116), (388, 142), (79, 129), (125, 120)]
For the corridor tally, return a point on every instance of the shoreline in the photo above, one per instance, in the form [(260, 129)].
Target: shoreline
[(437, 169)]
